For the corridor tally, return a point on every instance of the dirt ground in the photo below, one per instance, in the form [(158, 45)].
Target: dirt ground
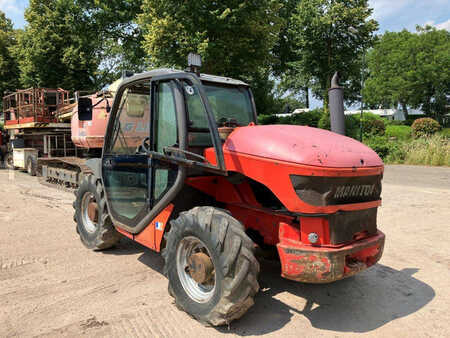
[(50, 285)]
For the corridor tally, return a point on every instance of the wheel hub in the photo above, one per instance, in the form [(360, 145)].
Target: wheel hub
[(92, 211), (195, 269), (89, 212), (200, 267)]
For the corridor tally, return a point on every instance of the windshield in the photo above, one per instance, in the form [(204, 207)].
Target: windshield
[(228, 103)]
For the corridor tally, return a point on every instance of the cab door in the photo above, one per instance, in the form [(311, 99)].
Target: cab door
[(125, 167), (147, 120)]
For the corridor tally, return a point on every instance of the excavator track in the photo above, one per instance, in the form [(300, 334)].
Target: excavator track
[(63, 173)]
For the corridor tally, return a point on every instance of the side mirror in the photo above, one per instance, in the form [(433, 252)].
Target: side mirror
[(84, 109)]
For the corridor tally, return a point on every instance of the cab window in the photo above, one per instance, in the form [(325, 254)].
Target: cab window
[(132, 124)]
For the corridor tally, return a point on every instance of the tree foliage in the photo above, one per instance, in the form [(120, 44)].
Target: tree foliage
[(119, 37), (330, 36), (58, 47), (79, 44), (410, 70), (234, 38), (9, 71)]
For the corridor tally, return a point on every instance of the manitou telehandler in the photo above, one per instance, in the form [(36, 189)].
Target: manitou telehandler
[(195, 178)]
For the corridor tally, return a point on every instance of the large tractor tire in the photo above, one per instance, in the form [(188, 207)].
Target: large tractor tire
[(94, 224), (212, 271)]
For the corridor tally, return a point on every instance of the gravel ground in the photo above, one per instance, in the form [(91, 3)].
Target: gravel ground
[(50, 285)]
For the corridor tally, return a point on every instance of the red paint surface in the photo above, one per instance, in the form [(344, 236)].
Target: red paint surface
[(274, 174), (302, 145), (317, 225), (150, 237), (90, 134), (315, 264), (38, 119)]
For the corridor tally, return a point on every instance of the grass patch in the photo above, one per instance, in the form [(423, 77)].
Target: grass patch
[(433, 151), (402, 133)]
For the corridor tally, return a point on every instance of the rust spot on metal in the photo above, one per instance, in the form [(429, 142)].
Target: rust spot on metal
[(200, 267), (93, 212)]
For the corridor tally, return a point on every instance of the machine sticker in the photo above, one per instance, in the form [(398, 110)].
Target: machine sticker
[(159, 225)]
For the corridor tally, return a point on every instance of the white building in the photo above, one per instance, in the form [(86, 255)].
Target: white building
[(390, 114), (296, 111)]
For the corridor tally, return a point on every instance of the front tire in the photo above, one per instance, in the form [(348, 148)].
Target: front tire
[(222, 289), (94, 224)]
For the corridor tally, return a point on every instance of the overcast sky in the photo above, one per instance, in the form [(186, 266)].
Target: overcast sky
[(393, 15)]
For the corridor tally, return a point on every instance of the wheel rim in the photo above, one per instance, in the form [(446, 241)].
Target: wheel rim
[(87, 203), (188, 248)]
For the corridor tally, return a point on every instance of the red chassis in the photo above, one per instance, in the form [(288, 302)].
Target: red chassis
[(301, 260)]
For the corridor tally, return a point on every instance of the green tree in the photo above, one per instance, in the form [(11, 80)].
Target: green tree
[(284, 50), (119, 37), (58, 47), (234, 38), (9, 71), (411, 70), (330, 35)]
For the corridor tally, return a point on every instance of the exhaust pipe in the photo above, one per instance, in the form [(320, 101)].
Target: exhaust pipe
[(336, 99)]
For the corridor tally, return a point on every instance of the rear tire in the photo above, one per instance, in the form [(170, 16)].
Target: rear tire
[(231, 253), (98, 233)]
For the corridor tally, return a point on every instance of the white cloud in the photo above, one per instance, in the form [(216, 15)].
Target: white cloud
[(386, 8), (395, 15), (11, 7), (14, 10), (443, 25)]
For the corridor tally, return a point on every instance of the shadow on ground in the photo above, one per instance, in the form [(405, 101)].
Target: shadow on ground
[(359, 304), (148, 257)]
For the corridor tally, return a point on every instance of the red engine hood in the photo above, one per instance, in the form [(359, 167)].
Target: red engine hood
[(302, 145)]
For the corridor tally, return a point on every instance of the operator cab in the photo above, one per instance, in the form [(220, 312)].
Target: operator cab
[(161, 123)]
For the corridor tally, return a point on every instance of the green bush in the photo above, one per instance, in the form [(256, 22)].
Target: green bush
[(382, 146), (399, 132), (373, 127), (372, 124), (351, 124), (310, 119), (425, 127), (267, 119), (394, 123), (409, 121)]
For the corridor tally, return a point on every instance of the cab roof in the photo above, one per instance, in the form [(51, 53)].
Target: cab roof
[(168, 71)]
